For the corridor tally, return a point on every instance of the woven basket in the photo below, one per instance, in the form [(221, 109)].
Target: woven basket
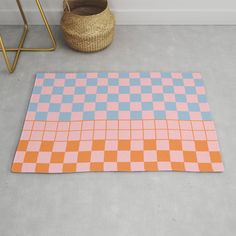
[(88, 25)]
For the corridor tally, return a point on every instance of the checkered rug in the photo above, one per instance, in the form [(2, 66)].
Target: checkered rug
[(118, 122)]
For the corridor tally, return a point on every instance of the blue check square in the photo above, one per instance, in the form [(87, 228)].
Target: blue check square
[(113, 97), (79, 90), (199, 82), (78, 107), (135, 81), (67, 98), (183, 115), (112, 115), (124, 89), (58, 90), (180, 98), (178, 82), (135, 97), (65, 116), (165, 74), (60, 75), (160, 115), (193, 107), (37, 90), (146, 89), (158, 97), (90, 97), (69, 82), (202, 98), (147, 106), (124, 75), (156, 81), (81, 75), (187, 75), (44, 98), (168, 89), (145, 75), (41, 116), (89, 115), (102, 89), (92, 82), (170, 106), (102, 74), (124, 106), (136, 115), (206, 116), (32, 107), (190, 90), (54, 107), (113, 82), (101, 106)]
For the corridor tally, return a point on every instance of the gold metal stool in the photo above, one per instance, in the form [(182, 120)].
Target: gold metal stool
[(11, 67)]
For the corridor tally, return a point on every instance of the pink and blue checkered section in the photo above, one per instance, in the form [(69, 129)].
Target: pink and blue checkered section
[(117, 96)]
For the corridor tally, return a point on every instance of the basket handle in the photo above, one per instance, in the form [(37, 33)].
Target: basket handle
[(67, 6)]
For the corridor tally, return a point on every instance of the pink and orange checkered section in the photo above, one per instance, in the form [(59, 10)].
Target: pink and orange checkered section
[(149, 121)]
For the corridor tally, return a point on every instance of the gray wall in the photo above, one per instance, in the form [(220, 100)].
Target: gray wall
[(138, 11)]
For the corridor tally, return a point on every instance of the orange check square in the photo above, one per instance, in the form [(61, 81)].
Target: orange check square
[(123, 166), (98, 145), (110, 156), (46, 146), (124, 145), (22, 146), (175, 145), (137, 156), (150, 144), (31, 157), (57, 157)]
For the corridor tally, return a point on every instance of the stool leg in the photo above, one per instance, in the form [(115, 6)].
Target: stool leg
[(49, 30), (53, 48), (11, 68)]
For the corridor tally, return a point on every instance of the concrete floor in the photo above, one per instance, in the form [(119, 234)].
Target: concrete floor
[(121, 204)]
